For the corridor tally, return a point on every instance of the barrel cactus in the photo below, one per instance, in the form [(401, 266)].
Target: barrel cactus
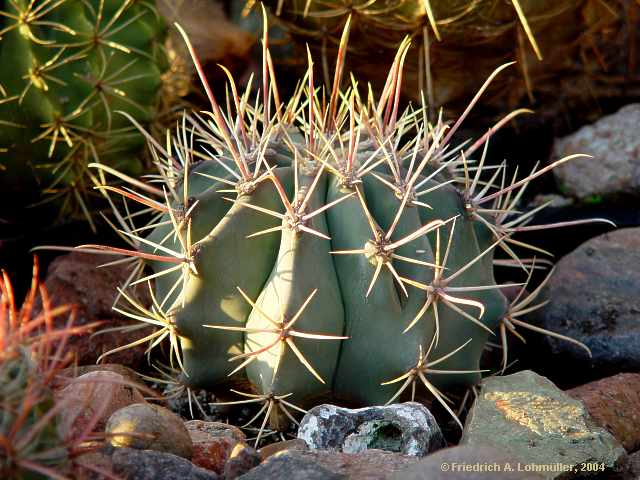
[(68, 67), (330, 245)]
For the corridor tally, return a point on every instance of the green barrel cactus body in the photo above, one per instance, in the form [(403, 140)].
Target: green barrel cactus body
[(68, 67), (350, 335), (331, 246)]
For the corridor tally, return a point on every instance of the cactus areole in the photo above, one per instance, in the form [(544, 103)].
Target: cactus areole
[(328, 245)]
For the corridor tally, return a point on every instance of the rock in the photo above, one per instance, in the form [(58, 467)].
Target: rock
[(227, 44), (92, 398), (216, 429), (211, 452), (614, 403), (67, 375), (629, 470), (430, 468), (75, 279), (553, 200), (369, 464), (615, 167), (145, 426), (633, 463), (407, 428), (134, 464), (88, 465), (593, 298), (290, 466), (525, 416), (273, 448), (484, 462), (242, 459), (213, 443)]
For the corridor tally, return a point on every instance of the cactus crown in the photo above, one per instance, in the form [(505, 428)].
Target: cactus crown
[(333, 244)]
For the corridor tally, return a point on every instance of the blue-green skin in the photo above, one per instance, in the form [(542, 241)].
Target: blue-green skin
[(113, 141), (470, 238), (279, 271)]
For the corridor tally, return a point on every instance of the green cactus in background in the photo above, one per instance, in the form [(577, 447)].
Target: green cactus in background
[(329, 245), (572, 46), (68, 67), (443, 30)]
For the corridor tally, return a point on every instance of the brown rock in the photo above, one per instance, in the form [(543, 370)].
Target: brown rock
[(75, 279), (145, 426), (210, 452), (216, 429), (213, 443), (273, 448), (67, 375), (227, 44), (614, 403), (92, 398)]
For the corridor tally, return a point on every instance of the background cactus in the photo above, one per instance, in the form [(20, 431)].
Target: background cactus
[(582, 48), (332, 245), (68, 67), (32, 359)]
